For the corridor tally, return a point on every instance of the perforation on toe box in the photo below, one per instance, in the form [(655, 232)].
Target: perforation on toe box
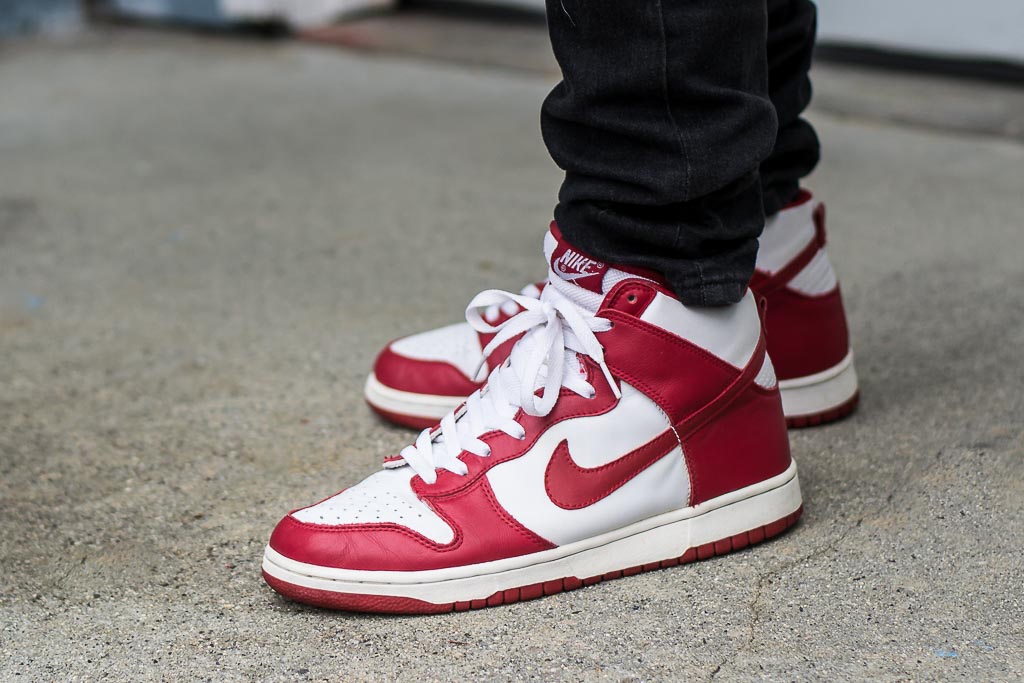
[(384, 497)]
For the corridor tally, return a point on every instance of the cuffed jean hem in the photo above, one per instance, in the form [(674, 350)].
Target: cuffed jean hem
[(776, 198)]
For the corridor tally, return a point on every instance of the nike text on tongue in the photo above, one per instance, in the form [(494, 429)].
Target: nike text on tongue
[(574, 267)]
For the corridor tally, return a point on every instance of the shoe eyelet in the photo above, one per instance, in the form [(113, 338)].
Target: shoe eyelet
[(631, 298)]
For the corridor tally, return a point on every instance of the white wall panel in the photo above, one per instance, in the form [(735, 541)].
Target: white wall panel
[(987, 29)]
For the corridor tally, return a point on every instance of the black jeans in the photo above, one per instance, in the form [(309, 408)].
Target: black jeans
[(677, 123)]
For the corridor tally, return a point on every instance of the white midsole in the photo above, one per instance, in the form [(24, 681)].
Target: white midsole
[(820, 392), (429, 406), (663, 537)]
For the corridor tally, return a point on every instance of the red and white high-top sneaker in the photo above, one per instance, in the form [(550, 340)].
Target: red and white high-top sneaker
[(805, 322), (417, 379), (624, 432)]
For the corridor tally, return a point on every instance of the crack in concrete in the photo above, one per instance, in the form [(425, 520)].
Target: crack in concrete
[(755, 603)]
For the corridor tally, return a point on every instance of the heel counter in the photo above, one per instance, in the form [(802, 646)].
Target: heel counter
[(745, 444), (806, 334)]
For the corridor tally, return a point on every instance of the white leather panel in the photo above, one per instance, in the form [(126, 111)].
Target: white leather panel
[(457, 344), (519, 484), (766, 375), (785, 235), (382, 497), (816, 278), (729, 332)]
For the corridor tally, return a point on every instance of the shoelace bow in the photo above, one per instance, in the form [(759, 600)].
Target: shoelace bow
[(553, 326), (509, 307)]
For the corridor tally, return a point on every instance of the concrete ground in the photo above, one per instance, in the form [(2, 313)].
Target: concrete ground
[(204, 242)]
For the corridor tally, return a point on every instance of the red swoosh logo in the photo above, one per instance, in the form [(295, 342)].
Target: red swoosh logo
[(572, 487)]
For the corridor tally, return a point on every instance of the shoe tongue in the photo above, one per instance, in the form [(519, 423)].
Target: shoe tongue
[(572, 265), (578, 276)]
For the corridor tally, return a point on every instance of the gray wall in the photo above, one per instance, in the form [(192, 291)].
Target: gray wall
[(29, 16), (987, 29), (947, 28)]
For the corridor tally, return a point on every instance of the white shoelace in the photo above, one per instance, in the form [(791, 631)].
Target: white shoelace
[(545, 358), (509, 307)]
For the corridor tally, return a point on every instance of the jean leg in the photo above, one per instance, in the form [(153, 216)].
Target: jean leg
[(661, 122), (791, 32)]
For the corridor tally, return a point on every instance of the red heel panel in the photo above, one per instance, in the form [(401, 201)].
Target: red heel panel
[(746, 444), (805, 334)]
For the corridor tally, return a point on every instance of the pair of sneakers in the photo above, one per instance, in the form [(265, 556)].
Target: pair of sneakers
[(588, 428)]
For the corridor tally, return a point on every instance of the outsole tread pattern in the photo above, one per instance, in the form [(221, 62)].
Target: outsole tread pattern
[(839, 412), (353, 602)]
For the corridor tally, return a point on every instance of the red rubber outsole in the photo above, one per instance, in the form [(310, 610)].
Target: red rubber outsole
[(839, 412), (353, 602)]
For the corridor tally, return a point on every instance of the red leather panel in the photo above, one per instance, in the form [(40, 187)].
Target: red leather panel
[(743, 445), (678, 376), (572, 487), (421, 376), (485, 532), (806, 334), (632, 297)]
